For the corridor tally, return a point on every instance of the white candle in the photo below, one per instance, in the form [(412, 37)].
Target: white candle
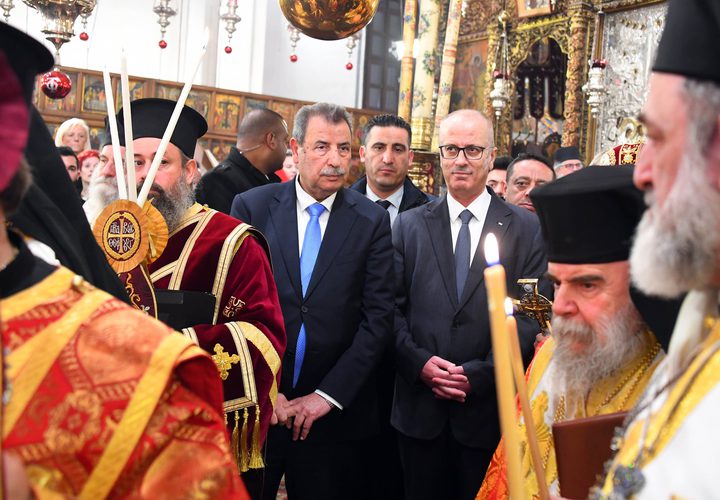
[(127, 121), (114, 137), (142, 197)]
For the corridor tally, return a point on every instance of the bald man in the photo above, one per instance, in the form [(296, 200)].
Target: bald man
[(445, 406), (260, 151)]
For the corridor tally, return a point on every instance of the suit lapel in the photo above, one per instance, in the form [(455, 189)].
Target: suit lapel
[(283, 213), (342, 218), (438, 224), (497, 221)]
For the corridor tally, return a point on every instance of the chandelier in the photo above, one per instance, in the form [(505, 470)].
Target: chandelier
[(230, 18), (59, 17), (500, 94), (164, 11)]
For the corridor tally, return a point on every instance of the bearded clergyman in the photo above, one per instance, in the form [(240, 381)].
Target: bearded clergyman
[(224, 296), (601, 353)]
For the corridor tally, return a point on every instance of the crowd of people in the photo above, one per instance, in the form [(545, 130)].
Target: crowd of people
[(336, 339)]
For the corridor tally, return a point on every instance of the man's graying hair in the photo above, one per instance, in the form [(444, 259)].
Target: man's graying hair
[(703, 101), (331, 113)]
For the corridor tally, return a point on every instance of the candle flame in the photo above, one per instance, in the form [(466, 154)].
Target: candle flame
[(492, 254), (508, 306)]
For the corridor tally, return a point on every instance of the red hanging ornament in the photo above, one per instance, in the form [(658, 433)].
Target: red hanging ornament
[(228, 49), (162, 44), (349, 66), (55, 84), (293, 58), (84, 36)]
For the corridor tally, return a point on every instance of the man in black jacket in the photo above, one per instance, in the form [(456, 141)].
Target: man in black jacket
[(260, 151), (387, 157)]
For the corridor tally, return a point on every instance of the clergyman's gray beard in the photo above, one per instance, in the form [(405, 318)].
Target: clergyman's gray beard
[(574, 374), (174, 203), (675, 244)]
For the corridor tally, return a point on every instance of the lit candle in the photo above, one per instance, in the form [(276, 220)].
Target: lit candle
[(114, 137), (127, 122), (519, 376), (497, 292), (142, 197)]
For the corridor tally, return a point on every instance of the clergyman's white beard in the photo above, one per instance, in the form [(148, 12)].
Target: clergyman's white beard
[(676, 243), (101, 192), (573, 374)]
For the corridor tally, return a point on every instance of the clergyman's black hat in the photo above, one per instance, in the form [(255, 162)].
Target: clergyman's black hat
[(589, 216), (150, 118), (567, 153), (689, 45)]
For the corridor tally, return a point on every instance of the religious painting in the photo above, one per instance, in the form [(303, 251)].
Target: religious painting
[(220, 149), (255, 104), (227, 113), (359, 121), (531, 8), (97, 135), (68, 103), (469, 81), (199, 100), (286, 110), (138, 90), (93, 94)]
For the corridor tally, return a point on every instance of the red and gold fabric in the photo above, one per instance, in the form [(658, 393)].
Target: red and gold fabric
[(623, 154), (618, 392), (215, 253), (108, 403)]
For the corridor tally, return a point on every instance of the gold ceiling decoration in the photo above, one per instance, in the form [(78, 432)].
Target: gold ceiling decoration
[(329, 19)]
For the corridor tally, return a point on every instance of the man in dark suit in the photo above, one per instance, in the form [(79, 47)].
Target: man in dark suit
[(387, 157), (261, 144), (332, 256), (445, 405)]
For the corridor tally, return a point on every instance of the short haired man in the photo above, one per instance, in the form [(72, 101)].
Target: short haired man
[(601, 353), (210, 252), (105, 401), (524, 174), (567, 160), (445, 404), (497, 177), (332, 257), (387, 157), (71, 162), (260, 150), (672, 436)]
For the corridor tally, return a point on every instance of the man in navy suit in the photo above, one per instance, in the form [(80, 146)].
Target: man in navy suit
[(332, 255), (445, 405)]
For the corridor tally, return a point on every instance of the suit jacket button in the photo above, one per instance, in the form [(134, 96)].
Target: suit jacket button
[(304, 309)]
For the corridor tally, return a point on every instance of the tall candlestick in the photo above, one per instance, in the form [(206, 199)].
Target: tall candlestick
[(114, 137), (518, 373), (127, 122), (142, 197), (496, 292)]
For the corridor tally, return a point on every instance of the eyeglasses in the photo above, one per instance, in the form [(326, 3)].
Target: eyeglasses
[(472, 152)]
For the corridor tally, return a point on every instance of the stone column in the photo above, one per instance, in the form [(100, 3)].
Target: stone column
[(577, 70), (424, 84), (406, 64), (447, 68)]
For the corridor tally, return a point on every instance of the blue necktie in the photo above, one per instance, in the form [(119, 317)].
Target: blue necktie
[(462, 252), (308, 256)]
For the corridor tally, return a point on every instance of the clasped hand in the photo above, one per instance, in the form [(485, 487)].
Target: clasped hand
[(447, 380), (299, 414)]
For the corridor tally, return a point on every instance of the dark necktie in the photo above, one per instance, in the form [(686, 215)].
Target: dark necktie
[(462, 252), (383, 203), (308, 256)]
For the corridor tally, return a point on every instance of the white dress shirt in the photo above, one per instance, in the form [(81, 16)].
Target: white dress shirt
[(304, 200), (479, 208), (395, 199)]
